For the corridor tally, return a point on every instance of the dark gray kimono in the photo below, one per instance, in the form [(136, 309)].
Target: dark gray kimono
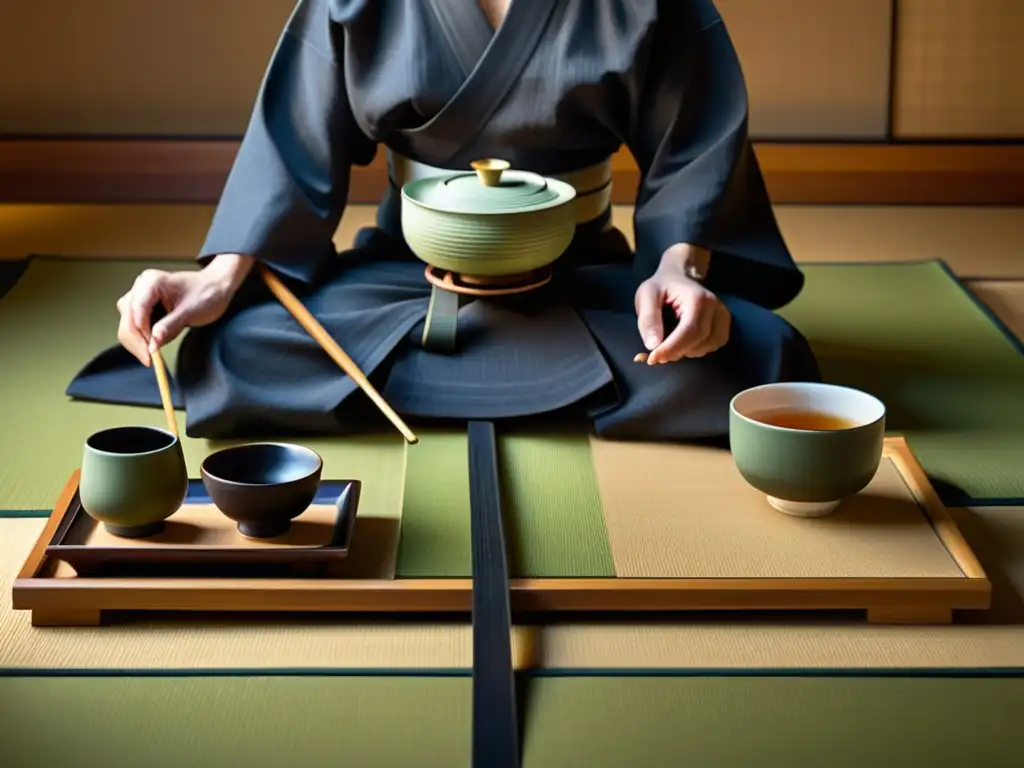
[(561, 85)]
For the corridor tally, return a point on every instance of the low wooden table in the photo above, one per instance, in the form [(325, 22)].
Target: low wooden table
[(57, 596)]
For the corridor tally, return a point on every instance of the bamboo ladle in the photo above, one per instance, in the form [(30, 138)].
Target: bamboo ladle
[(165, 390), (330, 346)]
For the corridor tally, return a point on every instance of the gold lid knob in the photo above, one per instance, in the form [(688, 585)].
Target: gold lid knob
[(490, 171)]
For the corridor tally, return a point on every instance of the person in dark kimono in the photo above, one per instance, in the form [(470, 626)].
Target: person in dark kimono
[(554, 87)]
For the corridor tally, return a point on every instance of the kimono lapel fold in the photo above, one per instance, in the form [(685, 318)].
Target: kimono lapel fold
[(493, 71), (466, 30)]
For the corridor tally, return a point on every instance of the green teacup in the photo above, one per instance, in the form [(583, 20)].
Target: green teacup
[(806, 446), (133, 479)]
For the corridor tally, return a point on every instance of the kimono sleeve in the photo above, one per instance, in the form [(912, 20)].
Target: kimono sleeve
[(700, 180), (288, 187)]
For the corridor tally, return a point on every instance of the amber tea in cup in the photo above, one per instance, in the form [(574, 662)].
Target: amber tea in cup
[(800, 418)]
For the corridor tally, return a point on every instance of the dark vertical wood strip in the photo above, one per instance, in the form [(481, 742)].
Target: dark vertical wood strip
[(495, 716)]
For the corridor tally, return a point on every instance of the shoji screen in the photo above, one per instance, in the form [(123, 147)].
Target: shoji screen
[(816, 69), (959, 69)]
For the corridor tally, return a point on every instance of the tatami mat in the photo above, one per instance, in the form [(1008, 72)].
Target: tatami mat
[(435, 540), (554, 524), (951, 382), (976, 242), (582, 722), (706, 522), (697, 643)]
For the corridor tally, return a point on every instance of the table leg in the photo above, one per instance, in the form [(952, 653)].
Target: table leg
[(910, 615), (67, 617)]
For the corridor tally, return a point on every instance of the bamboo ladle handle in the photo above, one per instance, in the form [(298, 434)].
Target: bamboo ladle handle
[(330, 346), (165, 390)]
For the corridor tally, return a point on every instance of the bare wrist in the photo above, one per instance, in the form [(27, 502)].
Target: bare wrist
[(690, 259), (229, 270)]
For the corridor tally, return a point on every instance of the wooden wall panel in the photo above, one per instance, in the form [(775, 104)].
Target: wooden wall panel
[(959, 69), (191, 67), (192, 171), (150, 67), (816, 69)]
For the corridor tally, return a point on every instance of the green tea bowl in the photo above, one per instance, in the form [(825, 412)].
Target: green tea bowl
[(806, 446), (493, 223), (133, 479)]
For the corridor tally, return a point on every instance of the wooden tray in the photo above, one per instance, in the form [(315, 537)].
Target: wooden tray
[(58, 598), (200, 541)]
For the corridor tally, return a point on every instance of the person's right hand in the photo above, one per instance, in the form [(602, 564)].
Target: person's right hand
[(191, 298)]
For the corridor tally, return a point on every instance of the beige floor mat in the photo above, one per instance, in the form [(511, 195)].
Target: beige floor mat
[(1006, 299), (199, 643), (708, 522), (975, 242)]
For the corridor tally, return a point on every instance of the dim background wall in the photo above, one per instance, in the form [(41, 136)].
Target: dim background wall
[(817, 69)]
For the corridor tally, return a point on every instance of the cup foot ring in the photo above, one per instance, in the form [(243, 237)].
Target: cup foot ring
[(264, 530), (135, 531), (804, 508)]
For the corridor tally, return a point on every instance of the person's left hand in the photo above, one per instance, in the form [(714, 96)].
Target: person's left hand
[(704, 321)]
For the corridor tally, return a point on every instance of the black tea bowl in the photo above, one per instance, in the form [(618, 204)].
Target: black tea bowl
[(262, 486)]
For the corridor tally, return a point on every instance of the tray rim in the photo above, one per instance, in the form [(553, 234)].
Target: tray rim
[(58, 551), (34, 589)]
